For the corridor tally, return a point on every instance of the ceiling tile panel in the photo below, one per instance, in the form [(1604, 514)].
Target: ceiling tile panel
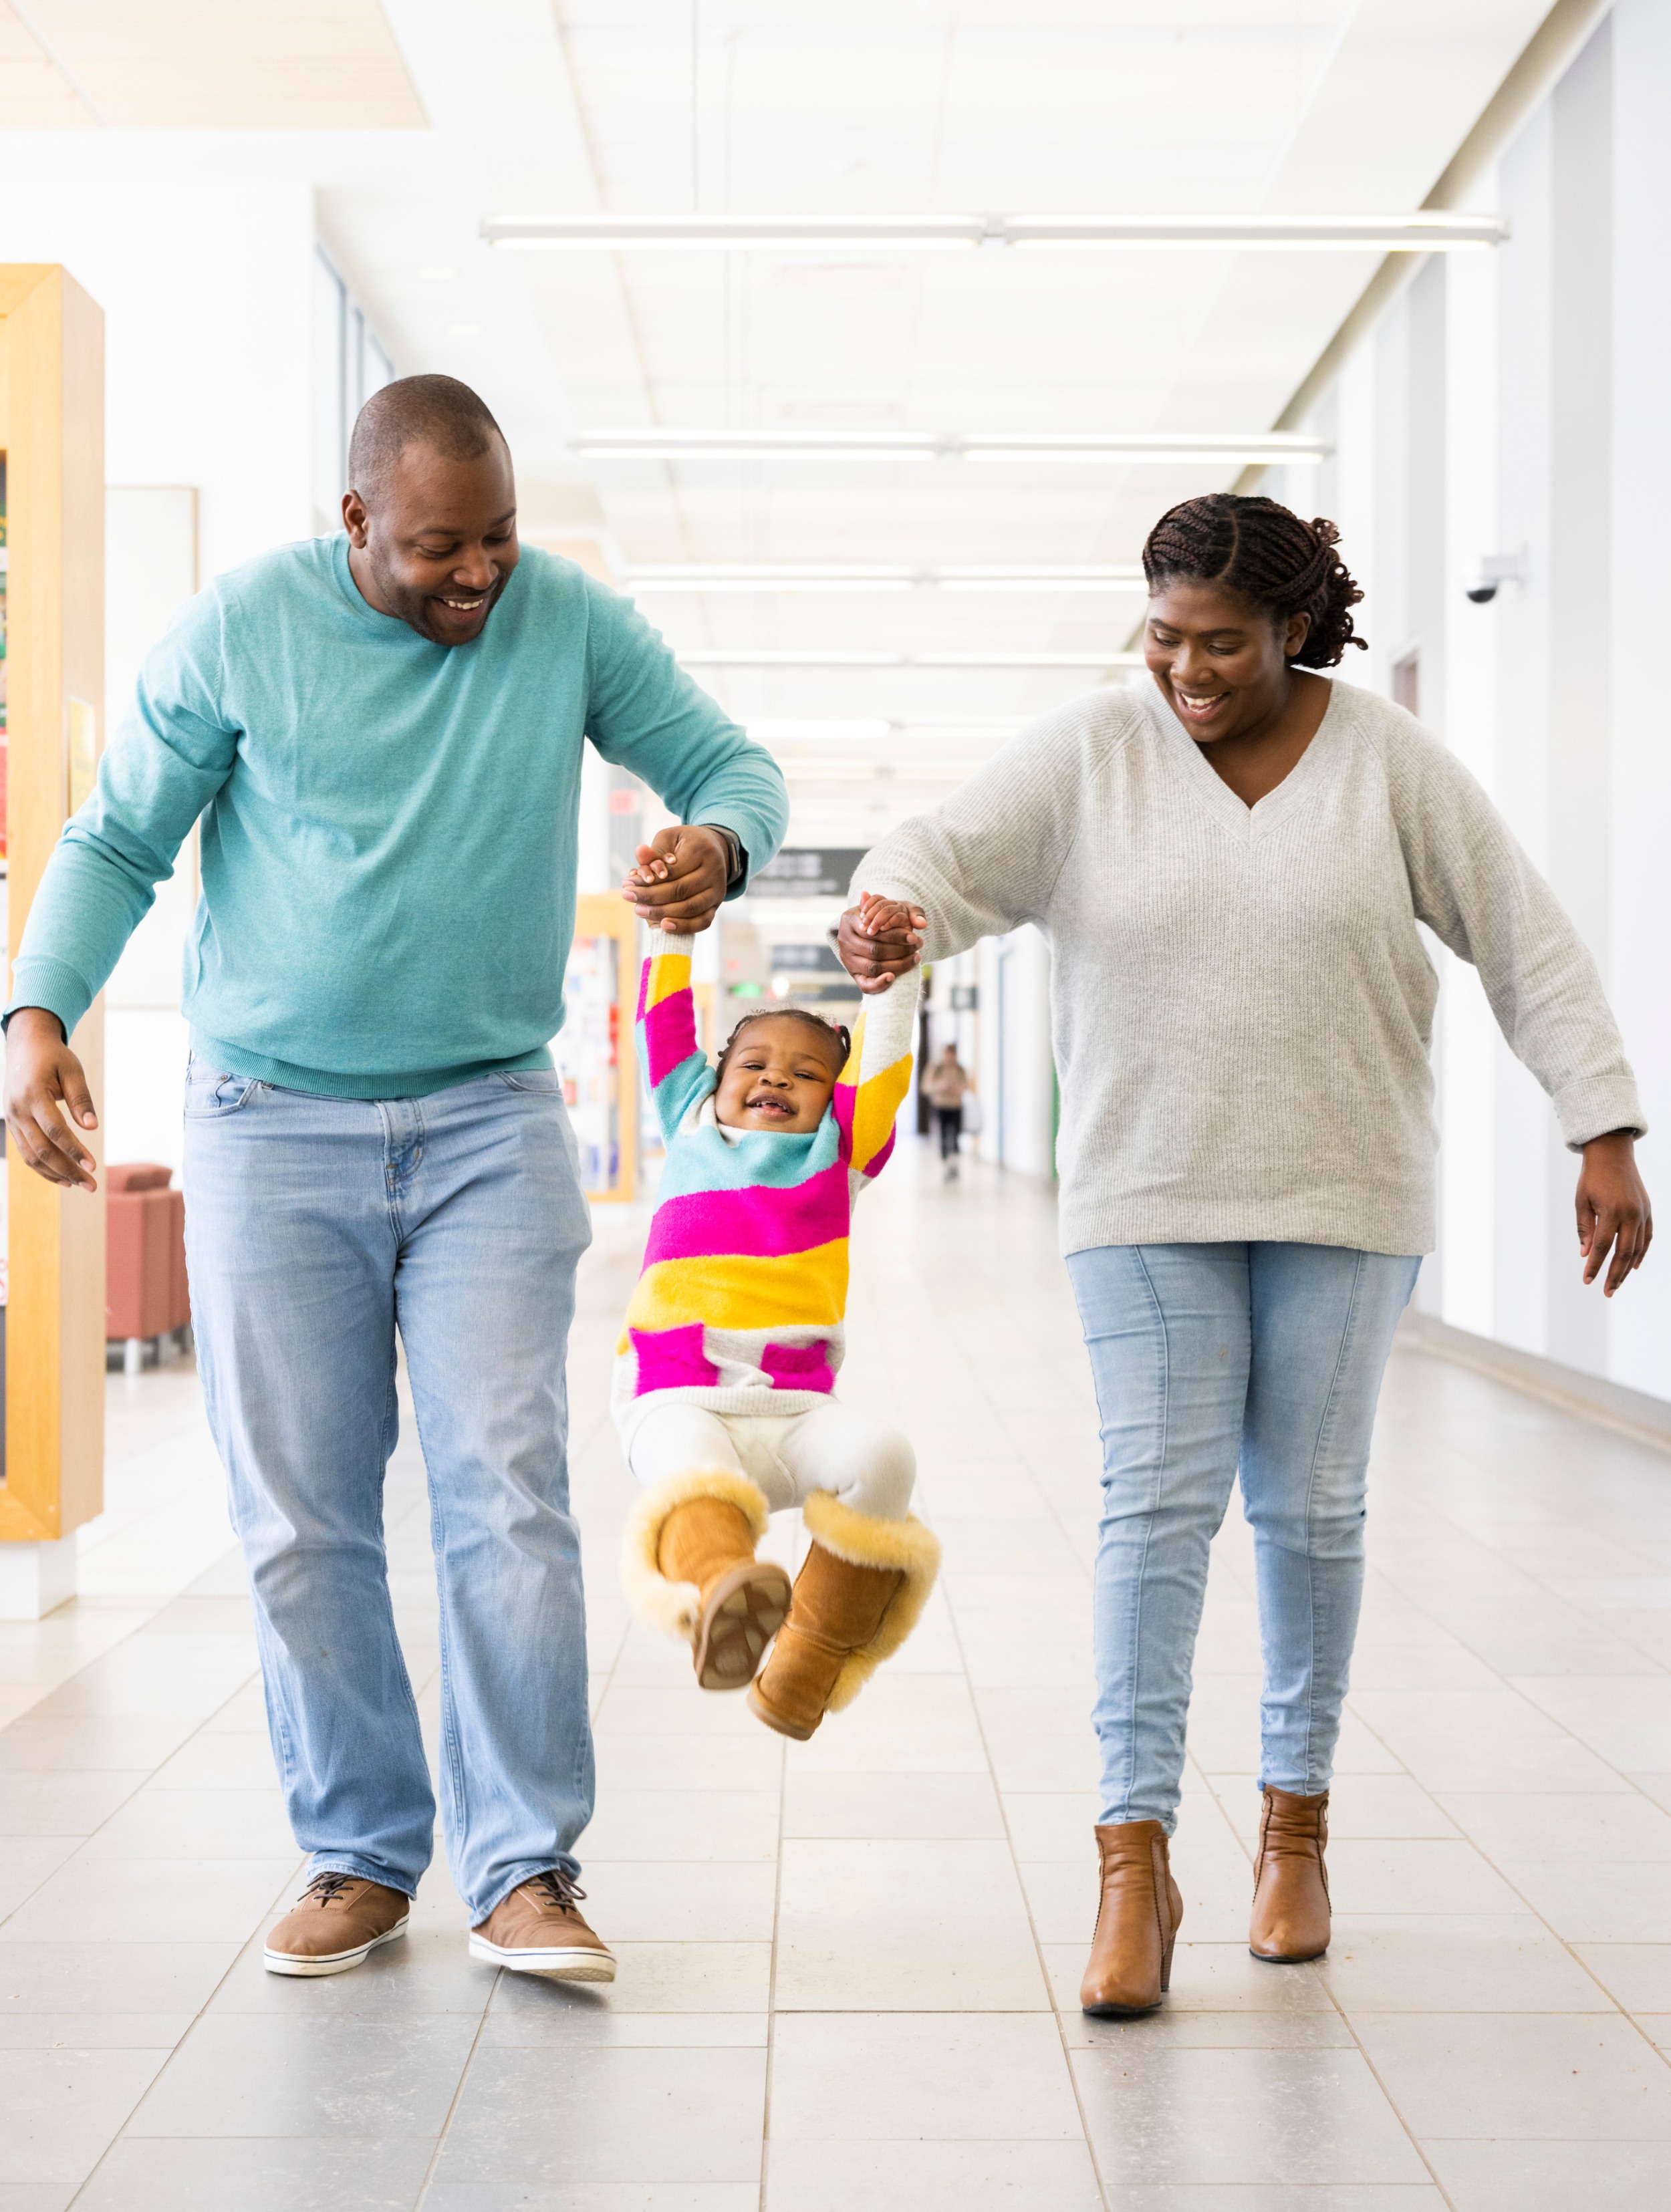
[(233, 64)]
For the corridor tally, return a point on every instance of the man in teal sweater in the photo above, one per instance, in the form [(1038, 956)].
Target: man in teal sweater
[(381, 735)]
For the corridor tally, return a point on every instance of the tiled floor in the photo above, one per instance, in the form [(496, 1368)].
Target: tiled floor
[(848, 1968)]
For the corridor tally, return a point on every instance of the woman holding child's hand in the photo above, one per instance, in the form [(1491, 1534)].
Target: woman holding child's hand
[(1229, 861)]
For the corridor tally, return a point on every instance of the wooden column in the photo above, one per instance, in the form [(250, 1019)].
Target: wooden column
[(605, 916), (51, 426)]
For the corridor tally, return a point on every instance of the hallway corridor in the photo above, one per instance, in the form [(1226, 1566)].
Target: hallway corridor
[(848, 1969)]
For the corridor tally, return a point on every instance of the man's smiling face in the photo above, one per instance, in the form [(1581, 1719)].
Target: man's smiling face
[(433, 542)]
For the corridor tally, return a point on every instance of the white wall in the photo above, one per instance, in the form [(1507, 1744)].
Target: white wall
[(1513, 402), (1015, 1070), (206, 289)]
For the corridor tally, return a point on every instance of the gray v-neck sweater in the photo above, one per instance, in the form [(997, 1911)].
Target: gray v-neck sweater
[(1242, 1008)]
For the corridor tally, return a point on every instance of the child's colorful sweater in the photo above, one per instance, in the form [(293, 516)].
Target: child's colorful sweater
[(741, 1303)]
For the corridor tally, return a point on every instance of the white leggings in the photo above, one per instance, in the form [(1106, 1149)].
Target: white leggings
[(868, 1466)]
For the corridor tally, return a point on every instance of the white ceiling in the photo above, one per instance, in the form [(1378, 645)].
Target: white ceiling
[(537, 106), (1082, 106)]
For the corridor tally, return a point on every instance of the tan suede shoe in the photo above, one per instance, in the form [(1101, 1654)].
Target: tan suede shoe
[(1130, 1967), (336, 1924), (536, 1930), (1291, 1917)]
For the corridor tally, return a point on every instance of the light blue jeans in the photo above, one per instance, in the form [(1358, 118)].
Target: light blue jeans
[(316, 1228), (1206, 1358)]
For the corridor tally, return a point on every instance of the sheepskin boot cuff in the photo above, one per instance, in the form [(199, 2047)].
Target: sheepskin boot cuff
[(859, 1593), (669, 1556)]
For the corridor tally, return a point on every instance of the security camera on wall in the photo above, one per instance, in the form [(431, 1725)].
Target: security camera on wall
[(1494, 570)]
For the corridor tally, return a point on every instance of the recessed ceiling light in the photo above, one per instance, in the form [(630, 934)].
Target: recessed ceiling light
[(1425, 232)]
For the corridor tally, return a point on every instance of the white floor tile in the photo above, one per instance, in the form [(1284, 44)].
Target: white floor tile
[(906, 1900)]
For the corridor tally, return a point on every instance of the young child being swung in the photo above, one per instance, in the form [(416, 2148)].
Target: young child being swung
[(724, 1380)]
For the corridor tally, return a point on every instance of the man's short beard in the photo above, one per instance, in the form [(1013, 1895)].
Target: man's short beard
[(412, 608)]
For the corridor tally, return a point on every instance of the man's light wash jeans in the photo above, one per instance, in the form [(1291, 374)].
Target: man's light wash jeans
[(315, 1228), (1205, 1357)]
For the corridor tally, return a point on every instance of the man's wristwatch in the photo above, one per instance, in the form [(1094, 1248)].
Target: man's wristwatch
[(738, 859)]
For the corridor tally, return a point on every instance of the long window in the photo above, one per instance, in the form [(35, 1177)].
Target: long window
[(349, 363)]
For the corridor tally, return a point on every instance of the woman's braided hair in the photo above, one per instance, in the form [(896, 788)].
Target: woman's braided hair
[(1264, 553)]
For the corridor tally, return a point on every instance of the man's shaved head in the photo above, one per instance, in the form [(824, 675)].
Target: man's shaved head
[(437, 411), (431, 510)]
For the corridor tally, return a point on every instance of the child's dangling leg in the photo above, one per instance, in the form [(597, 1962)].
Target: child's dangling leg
[(867, 1573), (688, 1557)]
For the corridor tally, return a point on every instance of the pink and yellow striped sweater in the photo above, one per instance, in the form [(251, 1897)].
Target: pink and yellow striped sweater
[(741, 1304)]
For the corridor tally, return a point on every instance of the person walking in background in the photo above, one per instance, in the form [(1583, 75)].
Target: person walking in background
[(1230, 862), (946, 1083), (382, 732)]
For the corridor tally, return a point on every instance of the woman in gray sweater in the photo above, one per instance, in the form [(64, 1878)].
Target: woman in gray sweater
[(1230, 862)]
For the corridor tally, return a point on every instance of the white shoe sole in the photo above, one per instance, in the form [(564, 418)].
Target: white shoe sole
[(331, 1962), (566, 1964)]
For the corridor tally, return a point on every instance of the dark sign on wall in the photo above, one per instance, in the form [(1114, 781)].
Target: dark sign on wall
[(807, 871), (804, 960)]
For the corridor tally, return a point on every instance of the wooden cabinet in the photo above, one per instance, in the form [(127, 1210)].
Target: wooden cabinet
[(52, 431)]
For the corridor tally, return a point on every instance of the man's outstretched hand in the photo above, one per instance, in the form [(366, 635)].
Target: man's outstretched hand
[(44, 1082), (679, 882), (1614, 1213), (880, 939)]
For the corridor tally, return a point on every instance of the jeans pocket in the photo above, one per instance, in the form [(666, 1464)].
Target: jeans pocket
[(542, 1082), (210, 1096)]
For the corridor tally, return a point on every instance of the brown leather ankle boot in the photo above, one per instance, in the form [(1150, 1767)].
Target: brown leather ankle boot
[(1291, 1882), (708, 1543), (1137, 1922)]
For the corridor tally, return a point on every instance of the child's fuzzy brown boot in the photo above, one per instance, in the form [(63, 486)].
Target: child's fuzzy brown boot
[(689, 1568), (860, 1592)]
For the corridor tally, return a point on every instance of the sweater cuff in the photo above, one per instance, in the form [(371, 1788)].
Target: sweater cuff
[(739, 830), (1596, 1108), (882, 883), (39, 981)]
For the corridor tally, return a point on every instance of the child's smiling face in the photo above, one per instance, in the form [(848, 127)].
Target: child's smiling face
[(779, 1075)]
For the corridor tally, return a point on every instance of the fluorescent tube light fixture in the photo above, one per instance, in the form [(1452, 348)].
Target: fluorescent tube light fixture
[(809, 729), (820, 732), (1427, 231), (856, 576), (1087, 449), (750, 657)]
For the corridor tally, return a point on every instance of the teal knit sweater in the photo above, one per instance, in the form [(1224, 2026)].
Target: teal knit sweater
[(388, 825)]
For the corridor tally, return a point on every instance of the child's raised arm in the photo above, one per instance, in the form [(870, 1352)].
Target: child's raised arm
[(872, 1085), (675, 1066)]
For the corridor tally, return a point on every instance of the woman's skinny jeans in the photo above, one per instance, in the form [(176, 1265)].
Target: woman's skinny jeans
[(1206, 1358)]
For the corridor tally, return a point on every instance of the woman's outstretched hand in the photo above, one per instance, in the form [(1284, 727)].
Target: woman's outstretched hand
[(878, 939), (1614, 1213)]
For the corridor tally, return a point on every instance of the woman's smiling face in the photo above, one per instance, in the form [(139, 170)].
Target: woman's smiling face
[(779, 1075), (1222, 661)]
